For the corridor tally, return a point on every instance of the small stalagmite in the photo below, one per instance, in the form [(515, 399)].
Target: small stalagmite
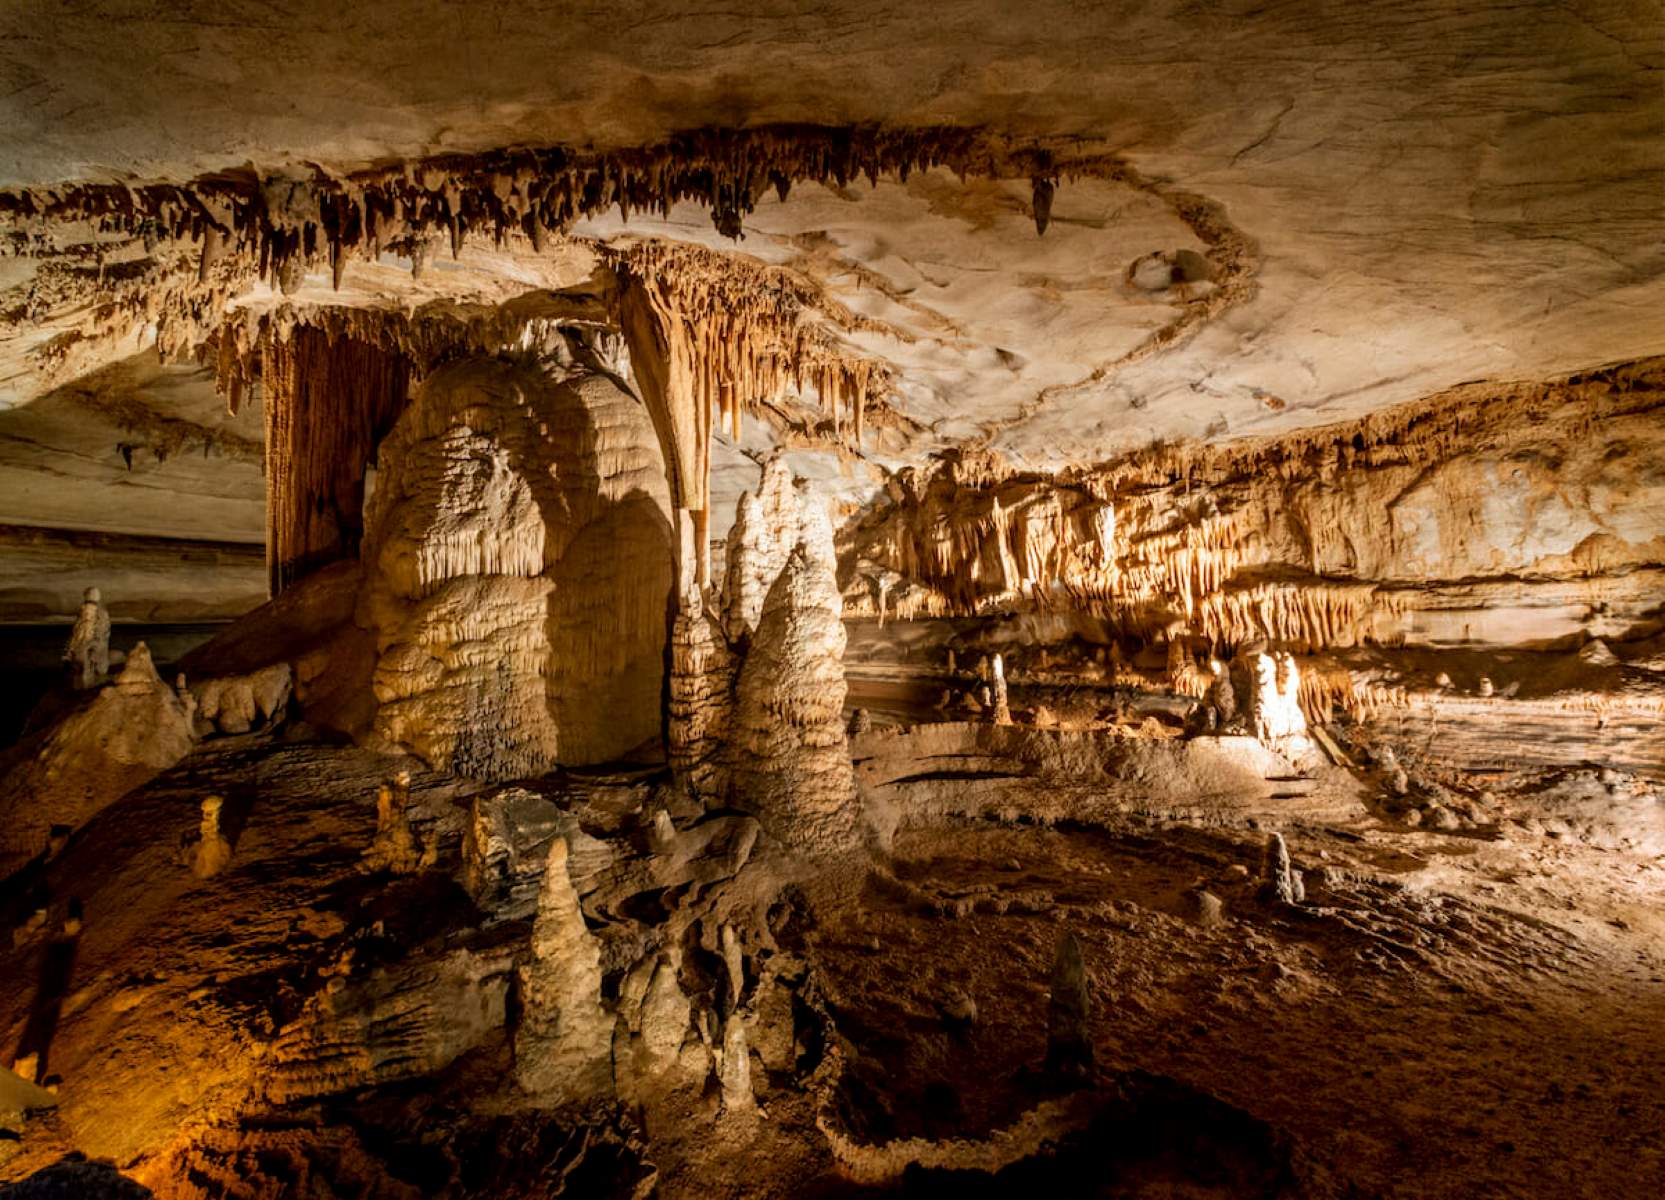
[(1283, 883), (1002, 709), (735, 1073), (563, 1045), (212, 852), (88, 651), (395, 848), (1069, 1049)]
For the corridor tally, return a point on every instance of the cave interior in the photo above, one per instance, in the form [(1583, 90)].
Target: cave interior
[(857, 600)]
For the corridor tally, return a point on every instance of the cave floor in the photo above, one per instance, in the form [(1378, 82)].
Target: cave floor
[(1459, 1013)]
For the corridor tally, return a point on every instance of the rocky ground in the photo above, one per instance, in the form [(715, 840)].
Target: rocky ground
[(1450, 1012)]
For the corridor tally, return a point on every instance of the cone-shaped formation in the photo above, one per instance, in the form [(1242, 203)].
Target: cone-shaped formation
[(1283, 883), (131, 731), (563, 1046), (997, 690), (791, 756), (766, 527), (1069, 1048)]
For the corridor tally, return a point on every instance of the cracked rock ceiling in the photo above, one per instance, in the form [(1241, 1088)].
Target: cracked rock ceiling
[(1387, 200)]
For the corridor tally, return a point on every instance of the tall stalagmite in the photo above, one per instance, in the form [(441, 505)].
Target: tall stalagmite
[(791, 755), (563, 1047)]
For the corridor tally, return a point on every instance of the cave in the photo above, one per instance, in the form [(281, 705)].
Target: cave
[(862, 600)]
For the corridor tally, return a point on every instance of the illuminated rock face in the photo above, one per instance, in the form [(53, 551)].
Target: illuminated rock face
[(518, 573)]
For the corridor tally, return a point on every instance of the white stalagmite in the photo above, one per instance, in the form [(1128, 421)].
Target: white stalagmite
[(1274, 699), (1002, 709), (563, 1045), (88, 651), (790, 754), (766, 527)]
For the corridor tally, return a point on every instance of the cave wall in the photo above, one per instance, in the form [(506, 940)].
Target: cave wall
[(1522, 515)]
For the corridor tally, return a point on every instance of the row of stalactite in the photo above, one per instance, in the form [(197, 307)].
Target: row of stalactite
[(328, 402), (1228, 544), (283, 223)]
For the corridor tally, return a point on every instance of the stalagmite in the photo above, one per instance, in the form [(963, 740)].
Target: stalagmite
[(212, 853), (1069, 1048), (563, 1044), (734, 974), (665, 1014), (790, 761), (1274, 709), (735, 1072), (767, 525), (1283, 883), (395, 848), (1222, 696), (997, 672), (88, 651)]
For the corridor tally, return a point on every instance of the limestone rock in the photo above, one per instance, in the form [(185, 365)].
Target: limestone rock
[(236, 703), (563, 1045), (129, 732), (519, 561), (791, 756), (506, 849), (1206, 908), (399, 1022)]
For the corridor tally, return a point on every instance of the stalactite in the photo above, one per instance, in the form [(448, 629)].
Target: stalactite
[(1280, 539), (328, 403), (739, 335), (285, 220)]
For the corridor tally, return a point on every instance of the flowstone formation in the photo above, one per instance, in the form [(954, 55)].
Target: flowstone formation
[(518, 571)]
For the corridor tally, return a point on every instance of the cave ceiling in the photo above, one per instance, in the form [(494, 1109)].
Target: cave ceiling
[(1264, 218)]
